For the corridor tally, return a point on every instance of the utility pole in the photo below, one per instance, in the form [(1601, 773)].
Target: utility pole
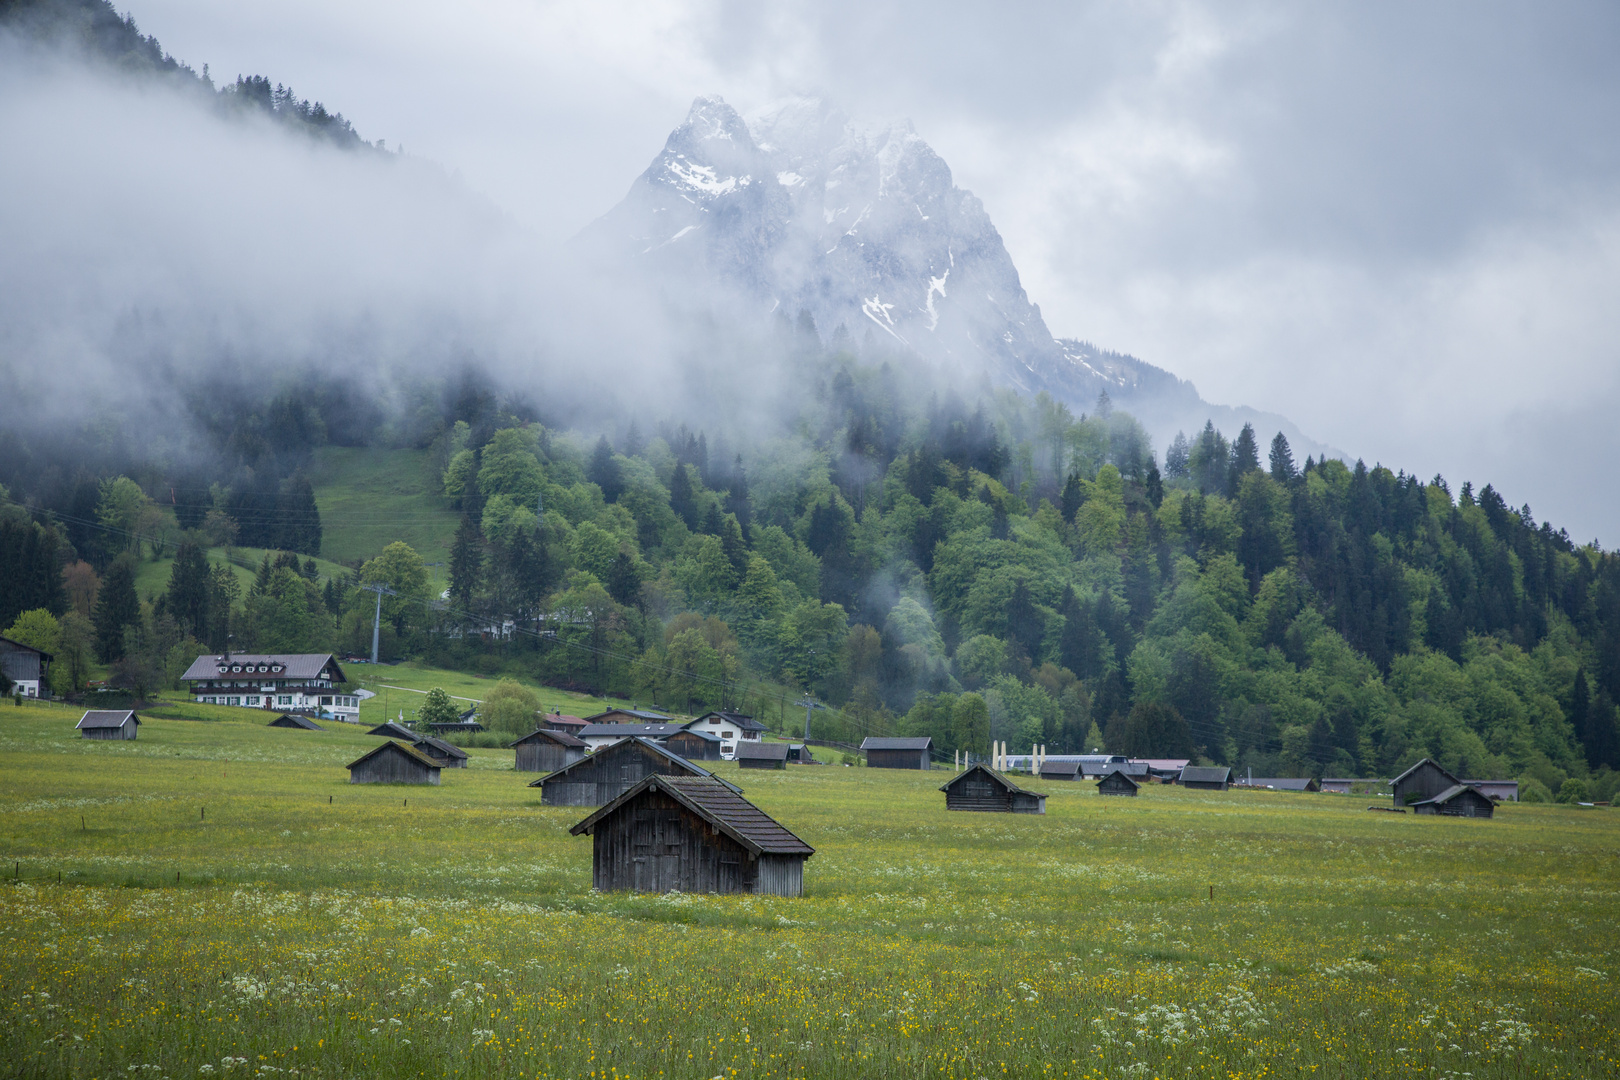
[(376, 622), (809, 704)]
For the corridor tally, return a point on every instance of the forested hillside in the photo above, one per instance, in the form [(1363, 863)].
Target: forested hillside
[(996, 569)]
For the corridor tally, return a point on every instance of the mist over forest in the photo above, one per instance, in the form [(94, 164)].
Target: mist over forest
[(215, 290)]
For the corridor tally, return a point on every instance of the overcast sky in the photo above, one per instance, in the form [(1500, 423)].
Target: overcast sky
[(1397, 224)]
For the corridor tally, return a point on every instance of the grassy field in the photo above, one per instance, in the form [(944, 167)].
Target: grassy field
[(370, 498), (402, 686), (152, 577), (214, 899)]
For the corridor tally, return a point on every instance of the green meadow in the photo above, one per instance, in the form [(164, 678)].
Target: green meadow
[(214, 899)]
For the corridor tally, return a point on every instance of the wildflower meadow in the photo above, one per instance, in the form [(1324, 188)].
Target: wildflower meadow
[(215, 900)]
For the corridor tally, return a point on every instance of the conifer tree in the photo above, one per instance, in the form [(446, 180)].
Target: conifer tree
[(1176, 457), (681, 499), (1073, 497), (117, 607), (1245, 459), (604, 471), (466, 564), (190, 582), (1282, 460)]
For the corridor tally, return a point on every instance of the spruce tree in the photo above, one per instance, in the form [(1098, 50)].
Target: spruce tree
[(1154, 485), (1282, 460), (1025, 628), (190, 582), (681, 499), (117, 607), (1245, 459), (1073, 497), (466, 564), (1176, 457), (604, 471)]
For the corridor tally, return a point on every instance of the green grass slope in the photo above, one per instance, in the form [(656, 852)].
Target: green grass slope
[(370, 498)]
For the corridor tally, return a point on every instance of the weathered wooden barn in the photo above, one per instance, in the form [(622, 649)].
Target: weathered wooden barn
[(599, 778), (799, 754), (695, 745), (901, 753), (1117, 783), (1206, 777), (692, 834), (448, 755), (293, 720), (1060, 770), (394, 730), (1459, 800), (547, 751), (1424, 780), (762, 755), (394, 763), (109, 724), (983, 788)]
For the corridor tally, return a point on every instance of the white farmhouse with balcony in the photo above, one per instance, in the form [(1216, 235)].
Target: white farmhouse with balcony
[(286, 682)]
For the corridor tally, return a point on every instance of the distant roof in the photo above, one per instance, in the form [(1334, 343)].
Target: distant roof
[(1119, 772), (1283, 783), (394, 731), (106, 718), (447, 749), (1450, 793), (639, 714), (1163, 764), (293, 665), (646, 731), (873, 742), (762, 751), (718, 803), (570, 721), (1419, 765), (1206, 774), (1103, 768), (1060, 768), (29, 648), (560, 738), (621, 746), (744, 721), (389, 747), (698, 733), (993, 775), (293, 720)]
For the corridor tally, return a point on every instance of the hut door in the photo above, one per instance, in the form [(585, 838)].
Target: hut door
[(643, 863), (670, 838)]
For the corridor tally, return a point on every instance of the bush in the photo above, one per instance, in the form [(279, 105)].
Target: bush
[(1532, 790), (510, 707), (1573, 791)]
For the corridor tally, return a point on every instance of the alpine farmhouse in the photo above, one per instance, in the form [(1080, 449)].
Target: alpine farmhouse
[(289, 682)]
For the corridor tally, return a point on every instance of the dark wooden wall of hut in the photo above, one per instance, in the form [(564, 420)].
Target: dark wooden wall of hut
[(1115, 784), (546, 756), (693, 747), (125, 733), (388, 768), (1427, 781), (897, 759), (977, 792), (654, 844)]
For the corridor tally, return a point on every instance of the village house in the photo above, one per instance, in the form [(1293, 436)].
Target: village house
[(731, 727), (25, 666), (448, 755), (1206, 777), (393, 763), (983, 788), (300, 682), (695, 745), (596, 736), (109, 724), (557, 721), (546, 751), (691, 834), (1276, 783), (599, 778)]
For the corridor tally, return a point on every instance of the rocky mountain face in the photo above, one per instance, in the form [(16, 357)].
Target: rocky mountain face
[(799, 208)]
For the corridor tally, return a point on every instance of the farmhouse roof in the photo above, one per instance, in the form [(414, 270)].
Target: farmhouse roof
[(293, 665), (640, 714), (26, 648), (1060, 768), (383, 748), (648, 731), (743, 721), (718, 803), (106, 718), (995, 776), (450, 750), (762, 751), (698, 733), (566, 721), (561, 738), (875, 742), (1206, 774), (694, 770), (293, 720)]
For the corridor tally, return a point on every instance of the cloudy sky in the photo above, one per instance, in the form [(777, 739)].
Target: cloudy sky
[(1399, 225)]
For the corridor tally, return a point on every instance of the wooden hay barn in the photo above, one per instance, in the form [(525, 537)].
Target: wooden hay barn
[(983, 788), (597, 779), (448, 755), (1116, 783), (293, 720), (695, 745), (394, 763), (891, 753), (394, 730), (109, 724), (1206, 777), (799, 754), (1459, 800), (1421, 782), (762, 755), (547, 751), (692, 834), (1060, 770)]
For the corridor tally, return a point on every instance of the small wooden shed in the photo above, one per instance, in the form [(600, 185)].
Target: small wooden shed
[(448, 755), (293, 720), (394, 763), (547, 751), (799, 754), (901, 753), (1421, 782), (762, 755), (695, 745), (692, 834), (599, 778), (1459, 800), (1060, 770), (109, 724), (393, 730), (983, 788), (1117, 782), (1206, 777)]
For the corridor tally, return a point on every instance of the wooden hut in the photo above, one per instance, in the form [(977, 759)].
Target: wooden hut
[(1459, 800), (762, 755), (1422, 781), (293, 720), (799, 754), (691, 834), (695, 745), (983, 788), (394, 763), (599, 778), (1060, 770), (109, 724), (448, 755), (1117, 782), (891, 753), (547, 751), (394, 730), (1206, 777)]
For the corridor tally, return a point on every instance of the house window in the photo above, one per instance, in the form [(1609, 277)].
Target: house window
[(233, 701), (208, 701), (728, 734), (284, 699), (251, 701)]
